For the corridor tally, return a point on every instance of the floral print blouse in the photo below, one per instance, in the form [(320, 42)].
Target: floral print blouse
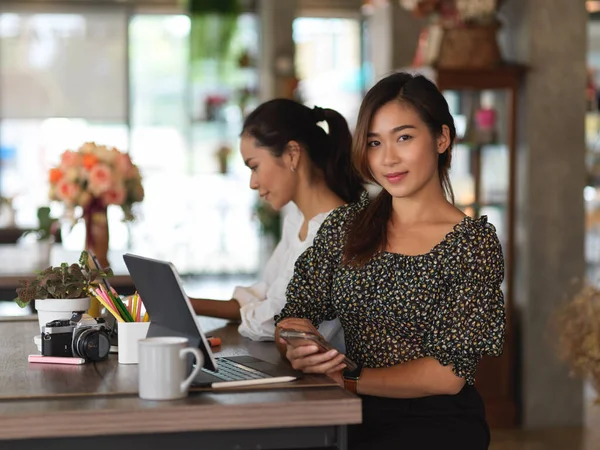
[(446, 304)]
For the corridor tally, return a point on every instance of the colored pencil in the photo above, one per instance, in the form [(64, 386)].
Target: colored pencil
[(109, 308), (120, 306)]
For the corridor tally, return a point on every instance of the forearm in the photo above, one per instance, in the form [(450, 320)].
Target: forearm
[(221, 309), (418, 378)]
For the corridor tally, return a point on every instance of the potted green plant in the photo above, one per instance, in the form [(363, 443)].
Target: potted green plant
[(58, 291), (47, 225), (44, 234), (270, 222)]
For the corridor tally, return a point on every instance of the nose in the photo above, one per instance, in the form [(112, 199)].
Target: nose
[(389, 155), (253, 182)]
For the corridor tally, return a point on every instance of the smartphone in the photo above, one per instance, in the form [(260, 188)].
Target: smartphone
[(296, 338)]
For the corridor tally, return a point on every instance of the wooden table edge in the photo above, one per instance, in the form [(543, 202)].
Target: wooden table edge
[(181, 418)]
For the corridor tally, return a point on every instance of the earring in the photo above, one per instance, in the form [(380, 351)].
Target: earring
[(292, 168)]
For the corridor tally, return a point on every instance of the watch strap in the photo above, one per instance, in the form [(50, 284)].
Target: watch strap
[(351, 385), (351, 378)]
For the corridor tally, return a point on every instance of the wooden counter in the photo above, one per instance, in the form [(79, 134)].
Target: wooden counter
[(96, 405)]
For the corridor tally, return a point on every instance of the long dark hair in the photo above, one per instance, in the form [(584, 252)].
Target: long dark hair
[(277, 122), (367, 234)]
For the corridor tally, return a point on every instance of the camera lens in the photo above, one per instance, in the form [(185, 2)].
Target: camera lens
[(92, 344)]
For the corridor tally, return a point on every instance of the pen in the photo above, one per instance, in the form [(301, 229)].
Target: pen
[(232, 384)]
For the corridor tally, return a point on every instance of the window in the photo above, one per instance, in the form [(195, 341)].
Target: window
[(100, 74), (329, 63)]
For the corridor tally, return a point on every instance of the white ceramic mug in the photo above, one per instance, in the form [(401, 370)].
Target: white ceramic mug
[(163, 367)]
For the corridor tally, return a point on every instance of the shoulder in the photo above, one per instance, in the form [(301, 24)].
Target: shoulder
[(338, 219), (292, 215), (477, 249)]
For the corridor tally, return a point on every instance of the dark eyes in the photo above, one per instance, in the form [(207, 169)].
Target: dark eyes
[(402, 138)]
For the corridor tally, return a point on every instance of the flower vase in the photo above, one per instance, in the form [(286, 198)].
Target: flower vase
[(96, 242), (96, 235)]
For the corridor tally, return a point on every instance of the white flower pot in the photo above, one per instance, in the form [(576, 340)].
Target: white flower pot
[(50, 309)]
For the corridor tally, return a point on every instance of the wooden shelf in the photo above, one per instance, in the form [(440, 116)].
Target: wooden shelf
[(507, 76), (496, 377)]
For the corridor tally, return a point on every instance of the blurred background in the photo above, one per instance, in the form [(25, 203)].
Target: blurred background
[(170, 83)]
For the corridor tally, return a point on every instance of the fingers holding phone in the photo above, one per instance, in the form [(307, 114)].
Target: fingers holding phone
[(294, 323), (309, 352), (308, 359)]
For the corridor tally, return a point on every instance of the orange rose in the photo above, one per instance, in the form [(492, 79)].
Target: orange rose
[(100, 179), (89, 160), (69, 159), (55, 175), (67, 191), (114, 196)]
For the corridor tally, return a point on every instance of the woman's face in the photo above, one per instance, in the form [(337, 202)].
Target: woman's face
[(402, 152), (271, 176)]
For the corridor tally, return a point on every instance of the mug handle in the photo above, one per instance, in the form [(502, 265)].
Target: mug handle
[(199, 362)]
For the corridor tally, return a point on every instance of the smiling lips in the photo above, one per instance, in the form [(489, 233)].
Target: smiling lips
[(395, 177)]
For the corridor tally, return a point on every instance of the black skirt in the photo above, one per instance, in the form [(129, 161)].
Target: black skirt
[(427, 423)]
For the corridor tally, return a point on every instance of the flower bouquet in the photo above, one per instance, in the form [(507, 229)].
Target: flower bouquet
[(454, 12), (94, 177), (461, 33)]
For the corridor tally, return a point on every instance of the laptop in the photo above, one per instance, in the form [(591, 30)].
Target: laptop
[(171, 312)]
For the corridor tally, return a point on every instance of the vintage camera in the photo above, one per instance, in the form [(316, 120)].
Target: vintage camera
[(82, 336)]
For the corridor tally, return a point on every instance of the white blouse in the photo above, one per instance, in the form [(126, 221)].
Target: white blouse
[(260, 302)]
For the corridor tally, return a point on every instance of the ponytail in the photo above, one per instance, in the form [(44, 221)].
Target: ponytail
[(340, 174)]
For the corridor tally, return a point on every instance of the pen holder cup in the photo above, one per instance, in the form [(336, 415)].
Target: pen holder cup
[(129, 333)]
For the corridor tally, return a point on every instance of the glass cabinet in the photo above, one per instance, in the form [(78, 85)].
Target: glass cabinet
[(484, 106)]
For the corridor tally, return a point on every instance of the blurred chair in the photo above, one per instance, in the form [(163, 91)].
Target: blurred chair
[(12, 234)]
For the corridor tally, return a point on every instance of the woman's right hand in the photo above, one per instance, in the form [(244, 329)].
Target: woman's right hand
[(307, 359)]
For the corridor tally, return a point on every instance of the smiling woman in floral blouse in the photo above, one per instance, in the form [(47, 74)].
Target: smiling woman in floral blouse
[(414, 282)]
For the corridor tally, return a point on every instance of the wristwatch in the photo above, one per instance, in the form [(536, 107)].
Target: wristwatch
[(351, 378)]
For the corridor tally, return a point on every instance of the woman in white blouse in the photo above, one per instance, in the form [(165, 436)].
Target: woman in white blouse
[(293, 161)]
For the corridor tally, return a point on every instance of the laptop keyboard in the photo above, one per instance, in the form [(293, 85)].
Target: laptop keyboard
[(232, 371)]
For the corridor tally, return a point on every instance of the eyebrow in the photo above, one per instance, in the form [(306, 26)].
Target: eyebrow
[(247, 161), (393, 130)]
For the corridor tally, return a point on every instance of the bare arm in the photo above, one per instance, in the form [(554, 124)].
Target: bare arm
[(418, 378), (221, 309)]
